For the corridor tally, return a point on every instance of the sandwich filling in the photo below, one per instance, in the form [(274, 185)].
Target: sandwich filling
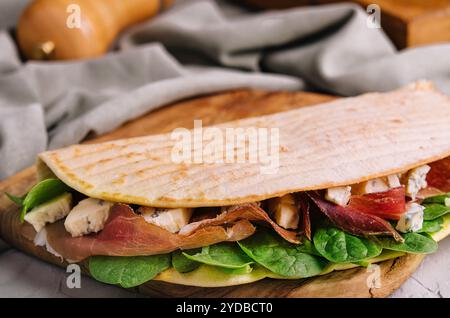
[(297, 235)]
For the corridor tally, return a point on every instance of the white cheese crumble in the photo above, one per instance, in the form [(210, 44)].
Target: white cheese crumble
[(416, 180), (285, 211), (339, 195), (88, 216), (412, 219), (170, 219), (49, 212)]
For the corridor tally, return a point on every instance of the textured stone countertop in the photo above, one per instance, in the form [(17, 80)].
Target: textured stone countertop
[(24, 276)]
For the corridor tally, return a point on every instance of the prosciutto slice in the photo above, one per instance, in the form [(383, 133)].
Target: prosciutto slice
[(439, 175), (305, 223), (249, 211), (387, 205), (128, 234), (350, 219)]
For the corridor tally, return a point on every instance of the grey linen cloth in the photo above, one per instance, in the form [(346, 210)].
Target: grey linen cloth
[(195, 48), (198, 47)]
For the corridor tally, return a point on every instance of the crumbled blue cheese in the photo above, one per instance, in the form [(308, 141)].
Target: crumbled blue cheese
[(412, 219), (371, 186), (416, 180), (339, 195), (393, 181), (88, 216), (49, 212), (285, 211), (170, 219), (377, 185)]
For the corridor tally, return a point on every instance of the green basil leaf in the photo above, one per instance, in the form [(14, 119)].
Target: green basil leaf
[(182, 264), (439, 199), (226, 255), (414, 243), (42, 192), (432, 226), (15, 199), (340, 247), (127, 271), (434, 210), (280, 256)]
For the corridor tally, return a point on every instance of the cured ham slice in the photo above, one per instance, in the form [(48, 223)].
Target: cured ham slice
[(250, 211), (128, 234), (305, 222), (439, 175), (386, 205), (428, 192), (353, 221)]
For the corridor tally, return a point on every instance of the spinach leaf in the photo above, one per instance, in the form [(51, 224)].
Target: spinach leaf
[(281, 257), (127, 271), (182, 264), (434, 210), (340, 247), (307, 247), (226, 255), (439, 199), (15, 199), (42, 192), (414, 243), (431, 225)]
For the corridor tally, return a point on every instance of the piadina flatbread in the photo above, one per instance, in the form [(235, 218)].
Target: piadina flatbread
[(356, 181)]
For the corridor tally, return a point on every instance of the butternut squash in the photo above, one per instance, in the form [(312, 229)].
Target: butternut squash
[(77, 29)]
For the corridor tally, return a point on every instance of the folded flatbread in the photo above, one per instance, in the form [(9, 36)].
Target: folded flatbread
[(367, 168)]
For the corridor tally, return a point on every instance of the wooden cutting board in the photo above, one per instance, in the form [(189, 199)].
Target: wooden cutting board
[(212, 110), (407, 22)]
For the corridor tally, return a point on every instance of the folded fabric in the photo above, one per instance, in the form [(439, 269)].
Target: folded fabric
[(329, 46), (198, 47), (49, 105)]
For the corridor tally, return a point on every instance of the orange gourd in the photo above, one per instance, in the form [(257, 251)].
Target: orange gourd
[(77, 29)]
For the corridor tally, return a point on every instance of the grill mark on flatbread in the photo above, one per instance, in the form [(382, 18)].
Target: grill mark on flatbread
[(220, 169), (337, 143), (131, 164)]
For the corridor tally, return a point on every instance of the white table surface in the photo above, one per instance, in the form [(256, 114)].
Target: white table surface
[(25, 276)]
